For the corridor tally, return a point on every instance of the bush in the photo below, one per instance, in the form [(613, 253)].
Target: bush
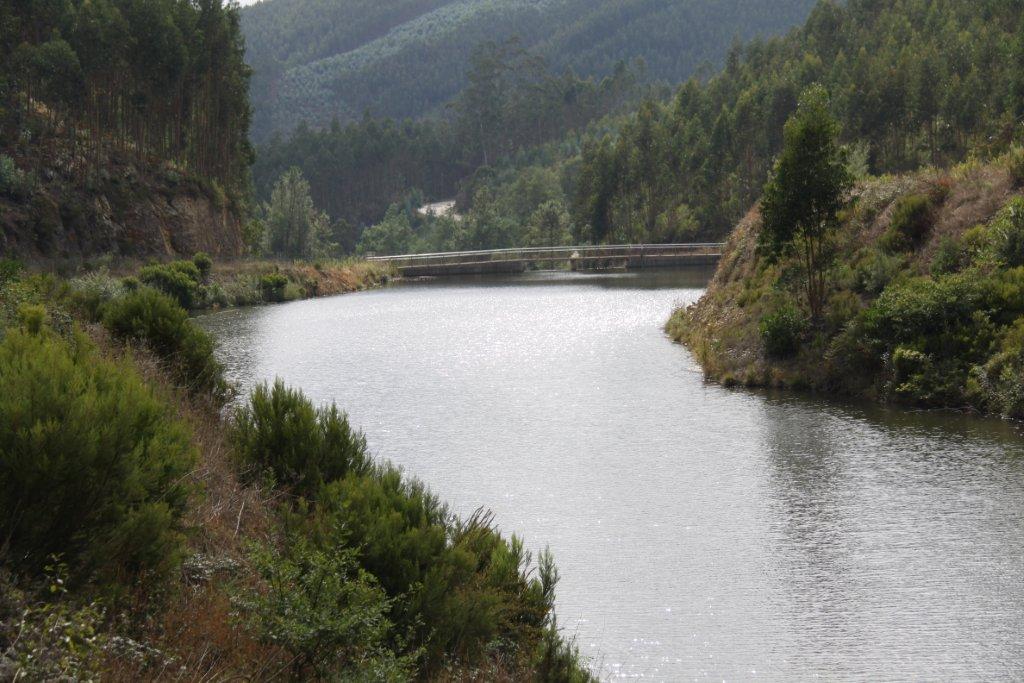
[(782, 331), (1001, 380), (875, 271), (304, 447), (14, 182), (94, 464), (950, 257), (911, 220), (272, 287), (156, 320), (91, 292), (326, 612), (179, 279), (204, 264), (1007, 231), (10, 269)]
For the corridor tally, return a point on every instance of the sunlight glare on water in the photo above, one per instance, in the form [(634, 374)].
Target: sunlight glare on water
[(701, 533)]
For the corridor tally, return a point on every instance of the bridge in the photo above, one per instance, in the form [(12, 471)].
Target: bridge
[(604, 257)]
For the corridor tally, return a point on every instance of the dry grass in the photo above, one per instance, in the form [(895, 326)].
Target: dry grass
[(191, 627)]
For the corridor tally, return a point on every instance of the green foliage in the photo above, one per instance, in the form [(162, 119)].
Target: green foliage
[(1007, 232), (329, 614), (294, 226), (453, 592), (316, 60), (1000, 382), (91, 292), (782, 331), (950, 257), (50, 638), (393, 235), (156, 320), (807, 189), (279, 430), (178, 279), (159, 78), (272, 287), (913, 83), (94, 464), (911, 221), (14, 182), (204, 264)]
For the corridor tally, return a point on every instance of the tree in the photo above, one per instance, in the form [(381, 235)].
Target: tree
[(295, 227), (806, 190)]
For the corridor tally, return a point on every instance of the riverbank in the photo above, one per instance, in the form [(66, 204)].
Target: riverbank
[(148, 532), (924, 304)]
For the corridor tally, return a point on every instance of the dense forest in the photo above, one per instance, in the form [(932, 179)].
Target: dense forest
[(912, 83), (162, 79), (319, 60), (512, 102)]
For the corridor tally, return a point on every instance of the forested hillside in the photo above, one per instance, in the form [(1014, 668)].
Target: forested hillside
[(316, 60), (512, 102), (123, 128), (912, 83)]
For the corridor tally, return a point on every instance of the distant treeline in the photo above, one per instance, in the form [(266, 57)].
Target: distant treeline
[(160, 78), (513, 102), (914, 82)]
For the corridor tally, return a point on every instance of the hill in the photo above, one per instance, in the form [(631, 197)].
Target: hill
[(924, 305), (316, 60)]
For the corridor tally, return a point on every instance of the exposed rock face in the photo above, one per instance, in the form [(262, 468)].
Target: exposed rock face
[(122, 210)]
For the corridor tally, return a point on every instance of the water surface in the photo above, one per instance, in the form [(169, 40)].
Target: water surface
[(701, 533)]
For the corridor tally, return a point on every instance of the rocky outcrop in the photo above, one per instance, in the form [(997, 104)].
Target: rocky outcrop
[(126, 209)]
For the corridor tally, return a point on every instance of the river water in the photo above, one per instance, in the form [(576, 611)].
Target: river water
[(701, 533)]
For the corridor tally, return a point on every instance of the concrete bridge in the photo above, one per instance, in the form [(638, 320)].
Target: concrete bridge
[(604, 257)]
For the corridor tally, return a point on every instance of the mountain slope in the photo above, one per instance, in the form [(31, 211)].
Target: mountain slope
[(315, 60)]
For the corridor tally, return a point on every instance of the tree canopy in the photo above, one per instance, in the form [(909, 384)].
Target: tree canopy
[(807, 188)]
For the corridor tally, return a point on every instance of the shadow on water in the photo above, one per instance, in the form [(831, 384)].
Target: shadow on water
[(690, 277)]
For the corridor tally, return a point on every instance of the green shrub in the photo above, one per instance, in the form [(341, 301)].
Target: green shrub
[(950, 257), (50, 637), (175, 279), (94, 465), (14, 182), (272, 287), (204, 264), (911, 220), (1007, 231), (10, 269), (327, 613), (279, 430), (91, 292), (782, 331), (1000, 382), (156, 320), (875, 271)]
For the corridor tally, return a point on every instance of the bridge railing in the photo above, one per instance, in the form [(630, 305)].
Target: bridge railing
[(553, 253)]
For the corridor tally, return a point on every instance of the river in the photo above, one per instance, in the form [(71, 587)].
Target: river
[(701, 532)]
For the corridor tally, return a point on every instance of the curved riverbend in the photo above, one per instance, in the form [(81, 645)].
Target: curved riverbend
[(700, 532)]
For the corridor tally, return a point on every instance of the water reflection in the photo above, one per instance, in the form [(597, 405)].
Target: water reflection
[(701, 532)]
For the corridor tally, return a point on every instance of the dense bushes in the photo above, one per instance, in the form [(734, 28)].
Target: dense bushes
[(272, 287), (325, 611), (302, 446), (911, 221), (179, 279), (781, 331), (93, 466), (156, 320), (456, 591)]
